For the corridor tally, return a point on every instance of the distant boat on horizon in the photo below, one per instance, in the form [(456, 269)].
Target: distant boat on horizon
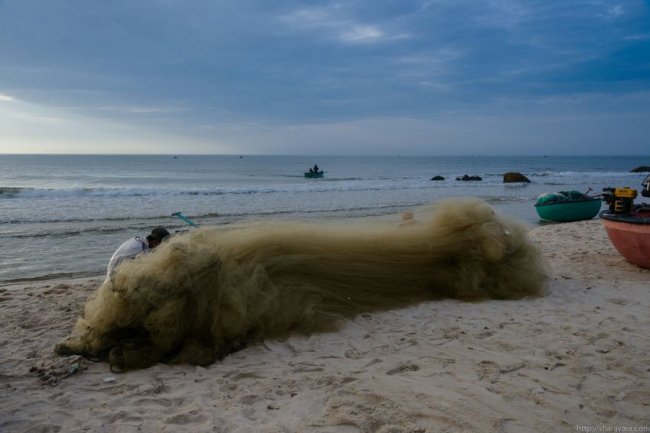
[(314, 174)]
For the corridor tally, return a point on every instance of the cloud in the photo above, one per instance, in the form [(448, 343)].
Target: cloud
[(310, 17), (339, 23), (6, 98), (430, 64), (189, 71), (33, 128), (144, 109), (532, 132), (637, 37), (35, 119), (362, 33)]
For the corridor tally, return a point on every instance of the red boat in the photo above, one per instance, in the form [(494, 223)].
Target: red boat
[(627, 225), (630, 235)]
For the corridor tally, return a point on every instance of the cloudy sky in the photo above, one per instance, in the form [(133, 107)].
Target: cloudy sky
[(410, 77)]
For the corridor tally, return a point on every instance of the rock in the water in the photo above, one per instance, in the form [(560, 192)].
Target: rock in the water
[(512, 177), (466, 177), (641, 169), (437, 178)]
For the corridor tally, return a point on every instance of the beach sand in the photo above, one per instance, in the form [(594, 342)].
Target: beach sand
[(578, 357)]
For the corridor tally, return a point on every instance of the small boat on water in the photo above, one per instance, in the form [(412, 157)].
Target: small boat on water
[(628, 225), (566, 206), (313, 174)]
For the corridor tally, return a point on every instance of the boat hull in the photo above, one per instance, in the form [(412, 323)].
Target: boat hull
[(630, 235), (314, 175), (569, 211)]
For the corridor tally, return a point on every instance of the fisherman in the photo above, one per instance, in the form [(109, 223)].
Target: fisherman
[(316, 168), (646, 191), (135, 246)]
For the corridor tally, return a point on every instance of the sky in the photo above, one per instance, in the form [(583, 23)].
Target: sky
[(357, 77)]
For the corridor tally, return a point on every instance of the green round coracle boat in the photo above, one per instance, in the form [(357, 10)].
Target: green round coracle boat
[(566, 206)]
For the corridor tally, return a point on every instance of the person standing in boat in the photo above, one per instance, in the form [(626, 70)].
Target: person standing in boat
[(316, 168), (135, 246)]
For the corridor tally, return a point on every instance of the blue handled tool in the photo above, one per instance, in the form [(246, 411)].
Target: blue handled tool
[(184, 218)]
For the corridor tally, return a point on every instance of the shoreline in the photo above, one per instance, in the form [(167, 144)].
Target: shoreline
[(576, 356), (421, 212), (45, 280)]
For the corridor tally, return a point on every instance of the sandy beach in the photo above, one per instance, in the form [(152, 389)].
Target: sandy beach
[(575, 359)]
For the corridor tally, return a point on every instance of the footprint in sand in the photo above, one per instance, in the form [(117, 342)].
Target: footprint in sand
[(307, 368), (618, 301), (59, 289), (403, 368), (489, 370), (4, 295), (607, 345), (191, 417)]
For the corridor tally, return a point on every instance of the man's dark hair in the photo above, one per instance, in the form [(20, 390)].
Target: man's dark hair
[(158, 234)]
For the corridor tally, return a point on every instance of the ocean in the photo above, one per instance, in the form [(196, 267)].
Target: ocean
[(64, 215)]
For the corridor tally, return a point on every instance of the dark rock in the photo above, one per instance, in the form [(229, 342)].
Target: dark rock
[(437, 178), (512, 177), (641, 169), (466, 177)]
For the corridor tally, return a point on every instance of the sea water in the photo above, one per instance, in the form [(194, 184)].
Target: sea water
[(64, 215)]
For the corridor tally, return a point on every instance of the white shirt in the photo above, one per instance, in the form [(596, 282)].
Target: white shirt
[(127, 251)]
